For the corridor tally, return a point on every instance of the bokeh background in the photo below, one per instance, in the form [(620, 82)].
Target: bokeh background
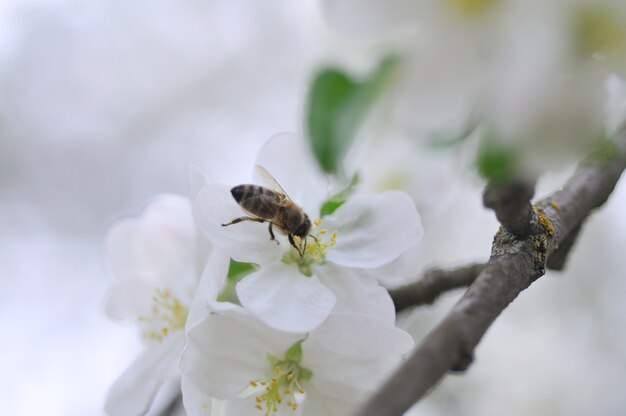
[(106, 103)]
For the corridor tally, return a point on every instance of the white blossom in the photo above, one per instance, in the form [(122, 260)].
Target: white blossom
[(233, 357), (155, 260), (296, 293)]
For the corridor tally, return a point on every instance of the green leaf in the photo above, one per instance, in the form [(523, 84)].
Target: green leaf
[(331, 204), (237, 269), (496, 162), (337, 105)]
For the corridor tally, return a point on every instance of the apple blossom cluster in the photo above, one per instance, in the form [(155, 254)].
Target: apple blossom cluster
[(304, 332), (527, 76)]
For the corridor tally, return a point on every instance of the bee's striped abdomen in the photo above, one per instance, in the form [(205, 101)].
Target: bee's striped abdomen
[(256, 200)]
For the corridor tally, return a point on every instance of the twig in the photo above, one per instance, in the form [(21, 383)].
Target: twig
[(514, 264), (511, 202), (434, 283)]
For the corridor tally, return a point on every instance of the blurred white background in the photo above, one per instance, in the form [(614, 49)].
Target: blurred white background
[(104, 104)]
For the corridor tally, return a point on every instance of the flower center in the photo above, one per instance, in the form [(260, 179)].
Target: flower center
[(599, 31), (314, 249), (471, 8), (168, 315), (284, 384)]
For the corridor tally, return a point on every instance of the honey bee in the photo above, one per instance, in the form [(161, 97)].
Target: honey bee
[(271, 204)]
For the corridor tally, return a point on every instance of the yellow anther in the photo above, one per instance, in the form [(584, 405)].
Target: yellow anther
[(253, 383), (317, 222), (167, 313)]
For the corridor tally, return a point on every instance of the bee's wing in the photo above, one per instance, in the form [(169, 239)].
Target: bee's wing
[(268, 180)]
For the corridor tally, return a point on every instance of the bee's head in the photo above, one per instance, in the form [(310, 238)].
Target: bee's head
[(303, 230)]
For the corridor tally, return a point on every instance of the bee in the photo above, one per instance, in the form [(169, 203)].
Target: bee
[(271, 204)]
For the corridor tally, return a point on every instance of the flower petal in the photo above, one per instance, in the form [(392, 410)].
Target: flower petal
[(154, 250), (369, 18), (361, 336), (351, 379), (246, 241), (373, 230), (283, 298), (317, 403), (359, 292), (211, 283), (196, 402), (134, 391), (224, 352), (289, 159)]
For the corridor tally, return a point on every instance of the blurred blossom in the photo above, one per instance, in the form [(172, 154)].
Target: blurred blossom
[(153, 261), (530, 73), (615, 106)]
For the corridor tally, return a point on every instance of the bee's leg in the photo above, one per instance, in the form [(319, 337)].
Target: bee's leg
[(314, 238), (293, 243), (240, 219), (272, 237)]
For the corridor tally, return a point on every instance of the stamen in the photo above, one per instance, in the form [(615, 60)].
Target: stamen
[(285, 385), (314, 251), (168, 314)]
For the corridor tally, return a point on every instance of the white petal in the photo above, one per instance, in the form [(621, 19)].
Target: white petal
[(359, 292), (196, 402), (134, 391), (197, 181), (615, 105), (373, 230), (224, 352), (247, 241), (211, 284), (154, 250), (289, 159), (345, 378), (361, 336), (368, 18), (318, 403), (284, 299)]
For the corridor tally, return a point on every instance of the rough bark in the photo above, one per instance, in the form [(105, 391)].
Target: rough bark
[(433, 284), (516, 261)]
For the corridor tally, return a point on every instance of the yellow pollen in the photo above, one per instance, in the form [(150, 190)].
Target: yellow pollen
[(554, 205), (284, 384), (168, 314), (314, 249), (317, 222)]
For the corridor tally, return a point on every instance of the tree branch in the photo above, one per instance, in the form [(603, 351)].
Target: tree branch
[(434, 283), (514, 264), (511, 202)]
